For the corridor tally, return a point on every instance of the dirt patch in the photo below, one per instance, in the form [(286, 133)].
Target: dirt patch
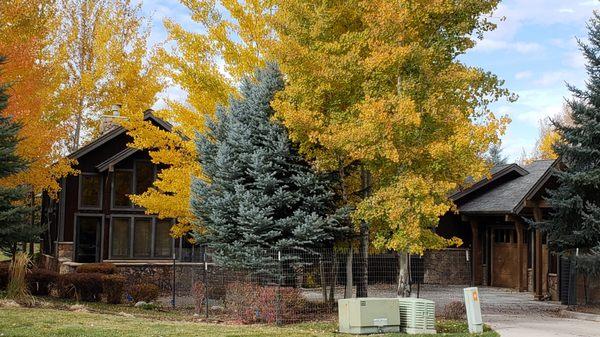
[(588, 309)]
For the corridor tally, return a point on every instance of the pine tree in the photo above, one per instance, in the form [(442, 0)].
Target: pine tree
[(574, 221), (257, 195), (14, 214), (495, 155)]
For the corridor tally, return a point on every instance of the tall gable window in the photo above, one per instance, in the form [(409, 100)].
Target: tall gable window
[(122, 188), (90, 191), (132, 181)]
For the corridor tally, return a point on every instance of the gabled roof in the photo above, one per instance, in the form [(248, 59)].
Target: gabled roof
[(103, 166), (510, 197), (94, 144), (497, 172)]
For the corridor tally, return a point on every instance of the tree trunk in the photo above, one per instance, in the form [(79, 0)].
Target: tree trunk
[(323, 279), (403, 281), (363, 281), (349, 275), (333, 278)]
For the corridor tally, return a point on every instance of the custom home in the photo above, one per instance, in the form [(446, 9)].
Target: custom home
[(94, 220), (495, 211)]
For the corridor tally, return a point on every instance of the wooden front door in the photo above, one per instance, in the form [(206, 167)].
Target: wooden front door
[(505, 267)]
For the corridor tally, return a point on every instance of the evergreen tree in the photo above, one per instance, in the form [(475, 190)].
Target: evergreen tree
[(257, 195), (495, 155), (575, 217), (14, 214)]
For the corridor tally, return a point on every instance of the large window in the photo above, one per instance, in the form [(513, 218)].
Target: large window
[(144, 176), (140, 237), (132, 181), (122, 188), (120, 238), (90, 191), (163, 242)]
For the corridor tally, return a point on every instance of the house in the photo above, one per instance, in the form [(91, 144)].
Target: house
[(495, 213), (94, 220)]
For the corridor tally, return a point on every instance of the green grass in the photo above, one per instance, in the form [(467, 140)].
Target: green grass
[(38, 322)]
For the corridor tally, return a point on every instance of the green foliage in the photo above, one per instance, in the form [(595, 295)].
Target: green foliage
[(575, 216), (257, 196)]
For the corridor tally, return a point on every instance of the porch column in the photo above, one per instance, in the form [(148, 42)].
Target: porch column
[(538, 276), (521, 283), (477, 272)]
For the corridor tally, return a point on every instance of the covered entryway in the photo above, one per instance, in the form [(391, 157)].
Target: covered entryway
[(507, 251)]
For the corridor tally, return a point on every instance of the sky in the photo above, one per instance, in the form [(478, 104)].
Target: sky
[(534, 50)]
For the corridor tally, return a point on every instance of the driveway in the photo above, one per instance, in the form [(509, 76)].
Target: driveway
[(511, 313), (541, 326)]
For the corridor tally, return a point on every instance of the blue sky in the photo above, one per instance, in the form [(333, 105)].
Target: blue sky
[(534, 50)]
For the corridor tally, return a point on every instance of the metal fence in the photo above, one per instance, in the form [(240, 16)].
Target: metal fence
[(304, 286)]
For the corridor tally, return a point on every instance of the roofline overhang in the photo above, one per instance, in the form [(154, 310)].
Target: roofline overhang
[(110, 162), (536, 187), (485, 181), (148, 114)]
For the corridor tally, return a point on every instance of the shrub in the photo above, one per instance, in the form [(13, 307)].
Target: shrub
[(113, 287), (3, 277), (82, 286), (102, 268), (454, 310), (251, 303), (146, 292), (39, 281)]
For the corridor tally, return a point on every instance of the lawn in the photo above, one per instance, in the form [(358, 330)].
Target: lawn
[(40, 322)]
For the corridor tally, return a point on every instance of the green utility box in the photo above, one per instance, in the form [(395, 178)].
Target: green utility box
[(368, 315)]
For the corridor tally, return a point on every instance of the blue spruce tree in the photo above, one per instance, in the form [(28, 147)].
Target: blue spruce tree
[(258, 196), (574, 222)]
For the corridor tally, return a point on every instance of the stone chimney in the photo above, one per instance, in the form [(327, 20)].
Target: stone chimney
[(108, 122)]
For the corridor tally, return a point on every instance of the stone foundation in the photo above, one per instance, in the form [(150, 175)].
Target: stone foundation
[(161, 274), (530, 280), (64, 250), (553, 286)]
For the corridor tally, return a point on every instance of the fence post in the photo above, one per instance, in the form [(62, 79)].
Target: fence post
[(173, 286), (278, 304), (205, 281)]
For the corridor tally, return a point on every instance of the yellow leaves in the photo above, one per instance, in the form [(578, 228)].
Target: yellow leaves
[(378, 83), (398, 213), (207, 67)]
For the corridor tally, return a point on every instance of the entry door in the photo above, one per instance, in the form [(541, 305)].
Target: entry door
[(505, 270), (87, 245)]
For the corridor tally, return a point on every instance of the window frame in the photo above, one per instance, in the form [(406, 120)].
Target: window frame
[(131, 256), (132, 184), (99, 235), (80, 192)]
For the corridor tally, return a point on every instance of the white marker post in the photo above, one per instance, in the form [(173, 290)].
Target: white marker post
[(473, 310)]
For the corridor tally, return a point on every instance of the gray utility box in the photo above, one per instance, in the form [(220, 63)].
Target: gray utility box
[(368, 315)]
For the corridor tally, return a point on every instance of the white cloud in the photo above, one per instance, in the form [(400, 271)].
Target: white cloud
[(566, 10), (522, 75), (490, 45)]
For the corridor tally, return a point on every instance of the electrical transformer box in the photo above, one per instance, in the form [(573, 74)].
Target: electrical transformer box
[(368, 315)]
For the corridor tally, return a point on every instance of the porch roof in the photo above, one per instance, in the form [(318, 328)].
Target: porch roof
[(510, 197)]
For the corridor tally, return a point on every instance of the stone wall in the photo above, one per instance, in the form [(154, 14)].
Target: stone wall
[(447, 267), (161, 274)]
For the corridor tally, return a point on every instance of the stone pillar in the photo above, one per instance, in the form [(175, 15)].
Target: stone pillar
[(477, 272)]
